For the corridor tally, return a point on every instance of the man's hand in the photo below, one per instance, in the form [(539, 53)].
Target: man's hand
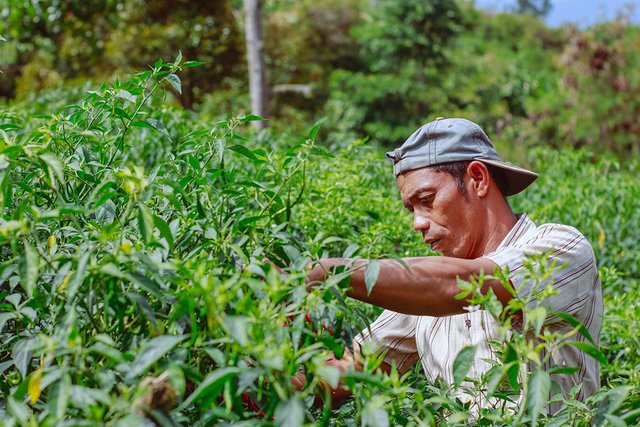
[(348, 362)]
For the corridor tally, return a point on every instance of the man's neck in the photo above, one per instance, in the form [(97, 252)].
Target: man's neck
[(500, 221)]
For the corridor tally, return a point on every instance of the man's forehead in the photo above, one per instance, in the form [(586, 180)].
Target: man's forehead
[(424, 177)]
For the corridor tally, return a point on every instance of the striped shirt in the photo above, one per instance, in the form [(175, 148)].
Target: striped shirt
[(436, 341)]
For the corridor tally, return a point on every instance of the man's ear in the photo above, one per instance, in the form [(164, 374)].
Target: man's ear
[(480, 178)]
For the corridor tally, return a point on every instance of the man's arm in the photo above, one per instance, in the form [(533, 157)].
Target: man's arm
[(427, 288)]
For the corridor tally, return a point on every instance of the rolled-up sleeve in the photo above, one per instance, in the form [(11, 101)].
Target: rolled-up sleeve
[(568, 255)]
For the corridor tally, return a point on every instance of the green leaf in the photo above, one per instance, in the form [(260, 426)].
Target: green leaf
[(178, 58), (5, 365), (9, 126), (537, 317), (249, 118), (510, 356), (152, 351), (237, 327), (567, 370), (290, 413), (350, 251), (576, 324), (371, 272), (145, 223), (330, 374), (159, 126), (591, 350), (615, 421), (374, 416), (175, 82), (145, 283), (107, 351), (246, 222), (85, 397), (141, 124), (4, 317), (612, 400), (365, 378), (191, 64), (55, 169), (21, 353), (126, 95), (146, 309), (133, 420), (463, 363), (58, 398), (538, 394), (79, 275), (29, 269), (18, 410), (106, 213), (164, 229), (243, 151), (211, 387), (313, 132)]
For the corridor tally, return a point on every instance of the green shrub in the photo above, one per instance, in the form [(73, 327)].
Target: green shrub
[(125, 226)]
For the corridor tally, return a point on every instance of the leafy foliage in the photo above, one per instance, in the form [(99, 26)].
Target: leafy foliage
[(131, 276), (55, 41)]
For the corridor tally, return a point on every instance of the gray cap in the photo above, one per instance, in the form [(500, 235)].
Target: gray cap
[(453, 140)]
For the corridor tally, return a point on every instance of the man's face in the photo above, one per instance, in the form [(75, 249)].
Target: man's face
[(446, 219)]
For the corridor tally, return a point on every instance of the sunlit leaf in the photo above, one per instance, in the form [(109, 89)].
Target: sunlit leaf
[(127, 96), (374, 416), (210, 388), (175, 82), (462, 364), (538, 394), (371, 272), (151, 352), (290, 413)]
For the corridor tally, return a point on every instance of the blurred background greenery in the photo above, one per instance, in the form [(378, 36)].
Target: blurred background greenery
[(376, 69)]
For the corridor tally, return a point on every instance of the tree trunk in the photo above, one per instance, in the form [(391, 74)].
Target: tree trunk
[(258, 88)]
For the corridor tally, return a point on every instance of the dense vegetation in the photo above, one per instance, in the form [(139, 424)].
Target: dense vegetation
[(132, 284), (375, 72)]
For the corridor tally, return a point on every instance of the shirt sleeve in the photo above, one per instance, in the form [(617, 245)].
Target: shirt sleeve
[(572, 277), (394, 335)]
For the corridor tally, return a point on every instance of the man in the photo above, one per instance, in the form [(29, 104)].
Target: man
[(452, 180)]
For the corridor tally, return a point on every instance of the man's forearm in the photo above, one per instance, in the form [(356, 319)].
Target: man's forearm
[(428, 287)]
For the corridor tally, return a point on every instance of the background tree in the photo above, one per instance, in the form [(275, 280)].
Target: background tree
[(405, 54), (258, 87), (540, 8), (52, 41)]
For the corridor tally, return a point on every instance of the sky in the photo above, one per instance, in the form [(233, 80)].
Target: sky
[(582, 12)]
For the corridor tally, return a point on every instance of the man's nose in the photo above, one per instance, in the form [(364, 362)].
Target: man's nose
[(421, 222)]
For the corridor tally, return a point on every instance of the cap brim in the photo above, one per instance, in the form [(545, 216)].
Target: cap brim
[(512, 179)]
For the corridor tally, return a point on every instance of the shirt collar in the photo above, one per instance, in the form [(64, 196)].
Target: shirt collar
[(522, 227)]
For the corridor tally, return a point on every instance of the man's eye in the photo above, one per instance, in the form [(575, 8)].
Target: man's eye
[(425, 200)]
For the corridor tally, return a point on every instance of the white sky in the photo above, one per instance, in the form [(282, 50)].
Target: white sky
[(582, 12)]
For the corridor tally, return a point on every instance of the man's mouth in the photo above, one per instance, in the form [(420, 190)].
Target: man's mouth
[(433, 243)]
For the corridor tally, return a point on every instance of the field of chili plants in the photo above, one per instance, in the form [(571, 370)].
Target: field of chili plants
[(133, 289)]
